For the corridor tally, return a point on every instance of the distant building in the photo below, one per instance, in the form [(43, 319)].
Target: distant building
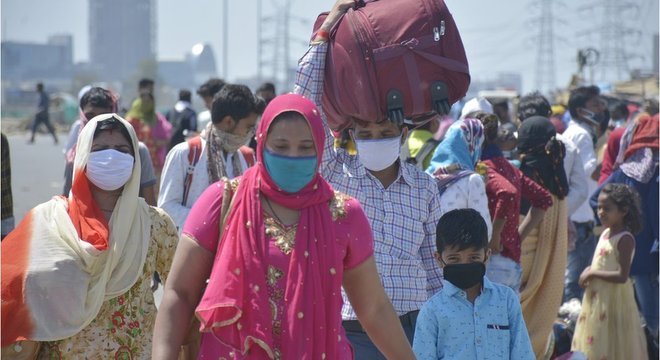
[(202, 61), (122, 35), (503, 81), (51, 63), (197, 67), (176, 74)]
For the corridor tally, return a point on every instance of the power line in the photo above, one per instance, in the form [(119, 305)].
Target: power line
[(613, 31), (545, 57), (225, 38), (276, 39)]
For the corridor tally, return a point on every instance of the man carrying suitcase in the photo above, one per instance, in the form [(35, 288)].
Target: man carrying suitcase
[(400, 201)]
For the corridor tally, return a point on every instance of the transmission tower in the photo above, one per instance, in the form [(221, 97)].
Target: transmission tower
[(275, 42), (271, 41), (613, 31), (545, 57)]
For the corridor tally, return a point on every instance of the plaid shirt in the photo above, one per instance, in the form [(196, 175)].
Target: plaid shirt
[(403, 217)]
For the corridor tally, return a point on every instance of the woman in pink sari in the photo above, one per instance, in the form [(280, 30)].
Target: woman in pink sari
[(289, 243), (151, 127)]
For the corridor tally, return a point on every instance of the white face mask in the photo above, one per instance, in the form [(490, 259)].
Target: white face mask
[(109, 169), (377, 155)]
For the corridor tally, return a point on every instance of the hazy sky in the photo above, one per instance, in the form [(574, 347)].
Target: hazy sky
[(499, 36)]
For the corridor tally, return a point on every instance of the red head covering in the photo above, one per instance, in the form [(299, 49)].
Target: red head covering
[(307, 195), (645, 135), (611, 152), (235, 304)]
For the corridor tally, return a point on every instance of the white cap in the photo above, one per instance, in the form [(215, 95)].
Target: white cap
[(476, 104), (84, 91)]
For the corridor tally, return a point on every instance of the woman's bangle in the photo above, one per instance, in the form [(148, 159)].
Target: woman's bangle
[(322, 34)]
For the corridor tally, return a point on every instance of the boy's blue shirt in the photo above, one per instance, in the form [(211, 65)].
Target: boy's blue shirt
[(449, 326)]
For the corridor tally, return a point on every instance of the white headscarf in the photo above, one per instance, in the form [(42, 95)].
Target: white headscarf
[(476, 104), (65, 278)]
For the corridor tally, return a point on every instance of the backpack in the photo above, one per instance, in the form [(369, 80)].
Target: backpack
[(424, 151), (393, 59), (180, 120), (194, 153)]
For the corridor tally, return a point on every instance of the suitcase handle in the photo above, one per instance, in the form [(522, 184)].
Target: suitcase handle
[(395, 106), (440, 97)]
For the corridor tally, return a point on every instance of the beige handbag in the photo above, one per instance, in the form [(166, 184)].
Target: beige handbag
[(190, 347)]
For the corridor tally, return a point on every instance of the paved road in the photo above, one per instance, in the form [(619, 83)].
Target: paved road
[(37, 171)]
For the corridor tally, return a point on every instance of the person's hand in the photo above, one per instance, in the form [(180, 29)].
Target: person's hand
[(495, 245), (584, 277), (338, 10), (343, 5), (596, 174)]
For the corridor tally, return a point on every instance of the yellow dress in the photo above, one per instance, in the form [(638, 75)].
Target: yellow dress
[(609, 326)]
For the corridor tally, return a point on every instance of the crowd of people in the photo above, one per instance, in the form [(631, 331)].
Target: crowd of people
[(447, 239)]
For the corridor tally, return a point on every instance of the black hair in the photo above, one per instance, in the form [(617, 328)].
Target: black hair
[(364, 123), (533, 104), (40, 86), (462, 228), (287, 116), (579, 97), (185, 95), (491, 125), (145, 82), (236, 101), (211, 87), (149, 95), (651, 106), (620, 107), (625, 198), (259, 105), (98, 97), (267, 86), (113, 123)]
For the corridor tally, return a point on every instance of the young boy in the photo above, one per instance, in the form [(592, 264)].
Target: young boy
[(471, 317)]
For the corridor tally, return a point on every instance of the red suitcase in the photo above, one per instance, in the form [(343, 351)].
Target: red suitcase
[(393, 59)]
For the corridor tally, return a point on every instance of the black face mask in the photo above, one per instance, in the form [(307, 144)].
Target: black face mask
[(598, 121), (465, 276)]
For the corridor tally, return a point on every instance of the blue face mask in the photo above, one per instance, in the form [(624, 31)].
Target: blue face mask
[(290, 173)]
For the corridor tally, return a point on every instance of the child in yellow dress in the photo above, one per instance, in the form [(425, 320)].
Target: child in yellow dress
[(609, 325)]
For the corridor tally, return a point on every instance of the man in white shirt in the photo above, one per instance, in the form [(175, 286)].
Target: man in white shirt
[(221, 148), (587, 110)]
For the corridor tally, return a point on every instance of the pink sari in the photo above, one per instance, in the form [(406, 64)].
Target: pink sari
[(235, 305), (161, 133)]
